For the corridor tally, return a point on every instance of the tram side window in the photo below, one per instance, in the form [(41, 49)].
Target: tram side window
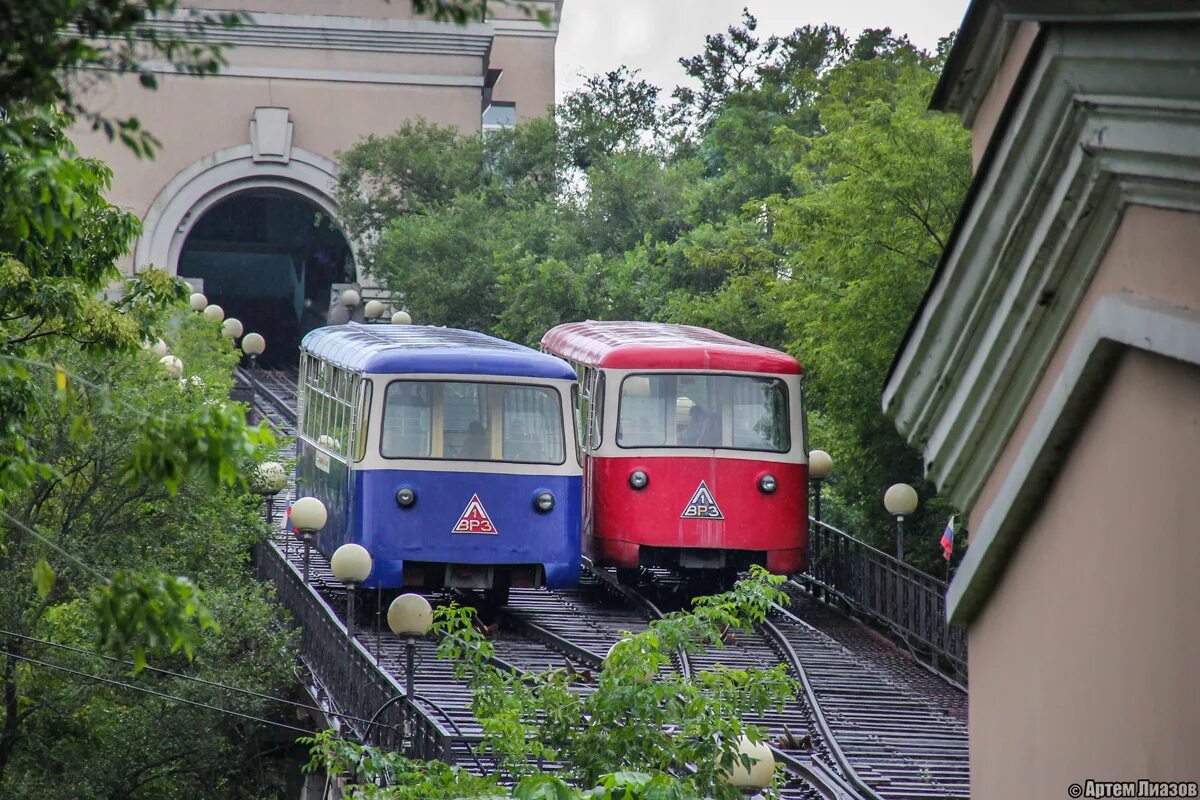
[(362, 419), (407, 420)]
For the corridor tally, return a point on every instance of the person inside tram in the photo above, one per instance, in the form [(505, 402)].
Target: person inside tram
[(704, 429), (476, 444)]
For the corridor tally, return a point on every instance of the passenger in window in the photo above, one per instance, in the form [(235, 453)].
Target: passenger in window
[(704, 429), (476, 444)]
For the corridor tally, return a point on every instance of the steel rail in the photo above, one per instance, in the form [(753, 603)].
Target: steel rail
[(824, 728), (827, 783), (640, 600)]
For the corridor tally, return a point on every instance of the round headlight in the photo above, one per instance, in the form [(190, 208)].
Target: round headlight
[(767, 484), (405, 496), (639, 479), (543, 502)]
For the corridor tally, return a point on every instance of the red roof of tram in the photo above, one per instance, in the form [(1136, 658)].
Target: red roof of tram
[(656, 345)]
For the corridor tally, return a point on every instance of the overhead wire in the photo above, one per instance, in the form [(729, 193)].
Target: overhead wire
[(162, 695), (193, 678)]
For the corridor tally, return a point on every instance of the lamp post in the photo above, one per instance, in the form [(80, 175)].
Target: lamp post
[(410, 616), (214, 313), (268, 479), (401, 318), (900, 500), (351, 564), (308, 517), (232, 328), (762, 767), (819, 467), (373, 310), (253, 345), (172, 365), (197, 301)]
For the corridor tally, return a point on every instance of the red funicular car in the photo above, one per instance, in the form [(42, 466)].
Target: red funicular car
[(693, 448)]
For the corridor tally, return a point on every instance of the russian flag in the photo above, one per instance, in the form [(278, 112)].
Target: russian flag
[(948, 539)]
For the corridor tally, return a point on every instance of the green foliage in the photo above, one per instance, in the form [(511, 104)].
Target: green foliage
[(797, 195), (95, 561), (670, 737), (142, 613)]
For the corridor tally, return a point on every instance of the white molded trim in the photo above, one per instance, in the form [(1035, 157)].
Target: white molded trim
[(213, 178), (331, 32), (1065, 168), (1118, 322)]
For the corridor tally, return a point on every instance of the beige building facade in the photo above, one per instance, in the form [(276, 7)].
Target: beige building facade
[(1051, 379), (257, 145)]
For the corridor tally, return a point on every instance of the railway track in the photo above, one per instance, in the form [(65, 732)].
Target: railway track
[(869, 723)]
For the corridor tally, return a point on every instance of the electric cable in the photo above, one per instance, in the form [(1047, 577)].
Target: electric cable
[(162, 695)]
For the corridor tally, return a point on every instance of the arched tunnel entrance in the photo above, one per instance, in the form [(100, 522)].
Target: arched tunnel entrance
[(268, 257)]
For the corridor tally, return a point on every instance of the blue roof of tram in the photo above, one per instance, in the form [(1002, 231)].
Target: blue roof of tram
[(390, 349)]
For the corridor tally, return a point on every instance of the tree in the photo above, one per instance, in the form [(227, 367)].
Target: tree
[(798, 197), (614, 112), (630, 736), (879, 191), (90, 551)]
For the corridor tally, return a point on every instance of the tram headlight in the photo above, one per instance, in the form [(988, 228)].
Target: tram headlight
[(543, 502), (639, 479), (767, 484), (405, 496)]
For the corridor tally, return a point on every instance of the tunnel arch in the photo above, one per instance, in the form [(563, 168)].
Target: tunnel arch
[(181, 225), (269, 257)]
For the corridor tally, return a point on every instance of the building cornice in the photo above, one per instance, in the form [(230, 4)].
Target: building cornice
[(987, 31), (1045, 207), (328, 32), (1117, 323)]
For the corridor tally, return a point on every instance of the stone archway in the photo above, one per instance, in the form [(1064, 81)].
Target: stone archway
[(275, 279), (184, 199), (269, 257)]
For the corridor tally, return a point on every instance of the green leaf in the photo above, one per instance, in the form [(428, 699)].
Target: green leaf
[(43, 578)]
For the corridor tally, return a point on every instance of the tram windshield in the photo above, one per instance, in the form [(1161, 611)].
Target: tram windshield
[(698, 410), (472, 421)]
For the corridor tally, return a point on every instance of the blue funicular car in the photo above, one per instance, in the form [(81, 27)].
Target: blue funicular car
[(449, 455)]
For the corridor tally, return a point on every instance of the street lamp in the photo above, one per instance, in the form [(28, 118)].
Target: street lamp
[(900, 500), (819, 467), (401, 318), (158, 347), (214, 313), (172, 365), (350, 298), (373, 310), (268, 479), (253, 345), (410, 616), (762, 766), (308, 517), (351, 564), (232, 327), (197, 301)]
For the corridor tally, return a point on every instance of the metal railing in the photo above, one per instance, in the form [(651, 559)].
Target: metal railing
[(908, 601), (367, 699)]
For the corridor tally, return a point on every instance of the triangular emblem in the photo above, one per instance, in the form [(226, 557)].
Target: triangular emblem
[(474, 519), (702, 505)]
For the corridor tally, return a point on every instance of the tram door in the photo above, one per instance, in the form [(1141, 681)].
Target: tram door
[(591, 415)]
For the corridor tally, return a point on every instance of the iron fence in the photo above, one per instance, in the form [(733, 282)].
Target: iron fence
[(367, 699), (910, 602)]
